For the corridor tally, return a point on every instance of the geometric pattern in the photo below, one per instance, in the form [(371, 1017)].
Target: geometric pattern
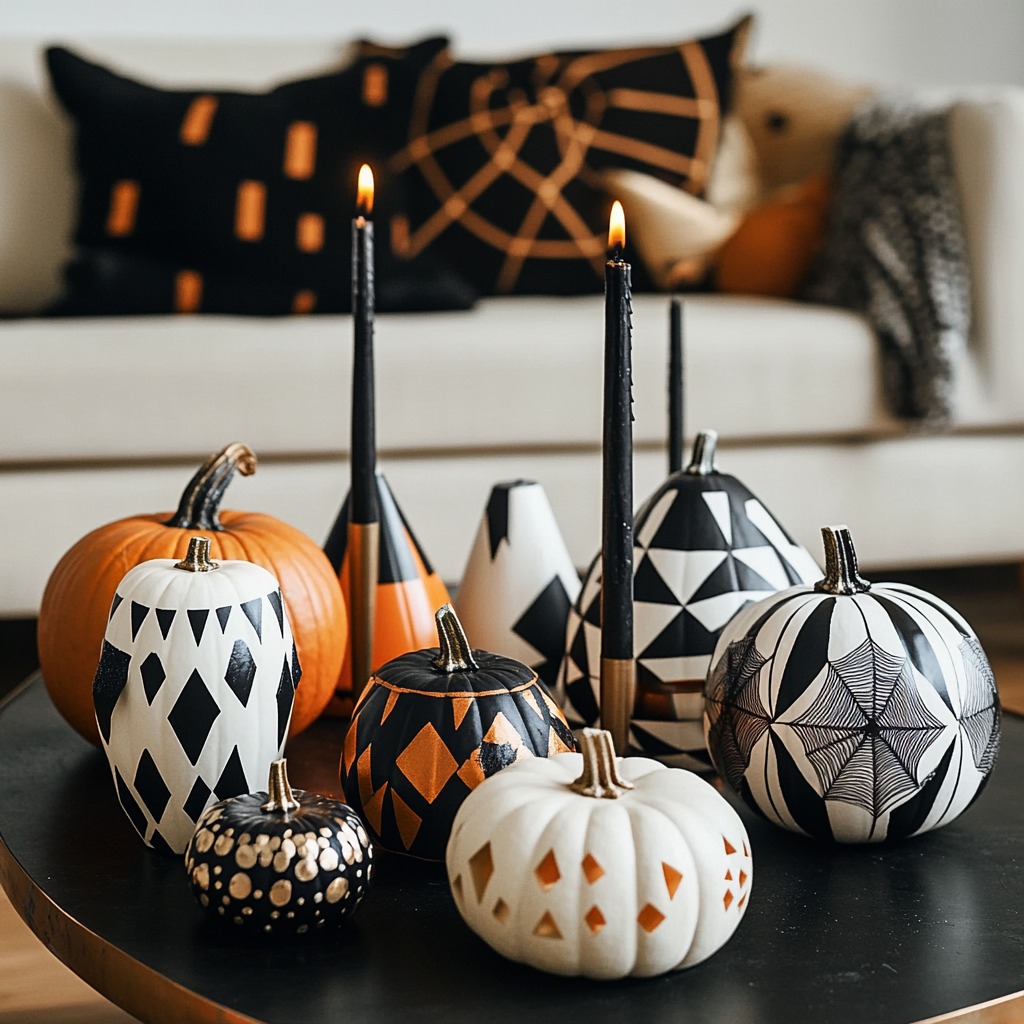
[(225, 201), (420, 741), (502, 160), (881, 719), (519, 581), (189, 713), (704, 547)]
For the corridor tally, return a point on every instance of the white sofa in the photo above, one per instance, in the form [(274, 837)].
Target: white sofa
[(107, 417)]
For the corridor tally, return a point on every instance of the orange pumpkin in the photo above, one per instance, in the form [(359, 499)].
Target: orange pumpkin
[(76, 601)]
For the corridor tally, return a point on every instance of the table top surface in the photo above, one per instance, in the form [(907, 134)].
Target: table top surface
[(892, 933)]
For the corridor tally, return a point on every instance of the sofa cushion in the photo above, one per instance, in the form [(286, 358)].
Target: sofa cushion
[(503, 159), (224, 201)]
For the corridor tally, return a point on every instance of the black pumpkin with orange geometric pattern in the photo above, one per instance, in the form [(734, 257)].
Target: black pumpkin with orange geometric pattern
[(430, 726)]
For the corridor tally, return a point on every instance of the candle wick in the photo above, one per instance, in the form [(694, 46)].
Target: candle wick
[(617, 252)]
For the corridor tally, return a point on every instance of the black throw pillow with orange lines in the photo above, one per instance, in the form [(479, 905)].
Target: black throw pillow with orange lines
[(230, 202), (503, 161)]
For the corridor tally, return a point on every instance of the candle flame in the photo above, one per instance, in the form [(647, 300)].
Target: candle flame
[(617, 227), (364, 194)]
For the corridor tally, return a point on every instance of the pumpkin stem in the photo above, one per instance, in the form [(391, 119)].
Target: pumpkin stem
[(841, 575), (279, 789), (702, 461), (200, 501), (456, 655), (197, 558), (600, 776)]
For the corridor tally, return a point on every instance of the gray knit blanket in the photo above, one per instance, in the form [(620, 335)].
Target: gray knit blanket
[(894, 250)]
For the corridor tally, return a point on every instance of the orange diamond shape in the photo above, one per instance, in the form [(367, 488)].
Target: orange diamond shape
[(649, 917), (547, 928), (547, 870), (591, 869), (672, 879), (595, 920), (727, 898), (481, 867), (427, 763), (501, 911)]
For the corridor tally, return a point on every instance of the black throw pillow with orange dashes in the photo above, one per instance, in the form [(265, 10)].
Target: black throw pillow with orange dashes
[(229, 202)]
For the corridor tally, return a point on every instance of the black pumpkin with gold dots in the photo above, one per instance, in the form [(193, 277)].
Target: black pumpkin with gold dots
[(283, 862)]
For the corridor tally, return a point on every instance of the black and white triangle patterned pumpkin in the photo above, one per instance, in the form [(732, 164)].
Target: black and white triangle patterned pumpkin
[(520, 581), (703, 548), (852, 711), (194, 689)]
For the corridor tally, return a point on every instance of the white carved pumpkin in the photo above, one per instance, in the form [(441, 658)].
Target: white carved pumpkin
[(585, 864), (194, 689)]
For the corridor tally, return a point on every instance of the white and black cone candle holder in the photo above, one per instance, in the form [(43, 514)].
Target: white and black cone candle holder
[(519, 582)]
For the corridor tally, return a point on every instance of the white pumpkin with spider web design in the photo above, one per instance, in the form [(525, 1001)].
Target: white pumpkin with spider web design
[(587, 864)]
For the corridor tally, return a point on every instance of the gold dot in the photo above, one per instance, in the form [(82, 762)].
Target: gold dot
[(246, 911), (266, 856), (306, 869), (337, 890), (224, 845), (204, 840), (204, 899), (257, 894), (323, 843), (329, 860), (262, 840), (240, 886), (275, 842), (326, 832), (318, 897), (281, 861), (217, 869), (201, 876), (245, 856), (288, 848), (281, 892)]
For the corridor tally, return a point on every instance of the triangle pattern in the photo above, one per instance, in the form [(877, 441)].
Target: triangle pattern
[(164, 618)]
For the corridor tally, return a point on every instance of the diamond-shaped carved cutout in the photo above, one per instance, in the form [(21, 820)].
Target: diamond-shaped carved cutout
[(547, 871), (743, 878), (457, 888), (728, 876), (729, 848), (547, 928), (672, 879), (595, 920), (649, 917), (592, 871), (481, 867), (502, 911), (427, 763), (728, 898)]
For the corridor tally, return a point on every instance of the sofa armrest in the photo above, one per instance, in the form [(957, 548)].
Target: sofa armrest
[(987, 144)]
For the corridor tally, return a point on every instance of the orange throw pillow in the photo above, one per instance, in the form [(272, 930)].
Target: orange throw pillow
[(771, 251)]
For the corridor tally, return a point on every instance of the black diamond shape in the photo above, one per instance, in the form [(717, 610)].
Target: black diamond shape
[(232, 779), (223, 614), (110, 679), (153, 676), (254, 613), (296, 668), (165, 616), (161, 845), (285, 699), (196, 802), (277, 604), (197, 619), (193, 715), (114, 605), (241, 671), (150, 785), (542, 626), (139, 613), (131, 807)]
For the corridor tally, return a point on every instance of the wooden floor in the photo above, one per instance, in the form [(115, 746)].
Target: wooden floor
[(35, 988)]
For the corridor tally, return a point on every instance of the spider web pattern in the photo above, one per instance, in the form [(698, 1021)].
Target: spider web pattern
[(867, 730), (980, 711), (549, 125)]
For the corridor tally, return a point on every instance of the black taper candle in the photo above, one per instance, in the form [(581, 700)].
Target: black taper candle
[(617, 665), (364, 439), (676, 421)]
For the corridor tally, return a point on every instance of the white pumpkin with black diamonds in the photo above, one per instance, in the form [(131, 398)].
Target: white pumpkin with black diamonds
[(587, 864), (852, 711), (194, 689), (279, 861)]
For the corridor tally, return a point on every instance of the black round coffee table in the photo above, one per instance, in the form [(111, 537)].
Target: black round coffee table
[(921, 929)]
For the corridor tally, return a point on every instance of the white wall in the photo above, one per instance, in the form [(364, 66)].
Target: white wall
[(897, 42)]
